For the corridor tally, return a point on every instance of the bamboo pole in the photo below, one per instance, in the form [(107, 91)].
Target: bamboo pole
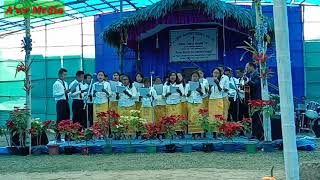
[(264, 82), (285, 89)]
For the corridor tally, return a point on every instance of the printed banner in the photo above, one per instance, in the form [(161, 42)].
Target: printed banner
[(193, 45)]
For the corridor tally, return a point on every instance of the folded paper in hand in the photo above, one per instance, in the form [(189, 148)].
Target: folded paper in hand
[(98, 87), (193, 85), (120, 89), (144, 92), (158, 88)]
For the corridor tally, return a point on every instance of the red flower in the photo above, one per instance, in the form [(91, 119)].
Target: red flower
[(203, 112), (246, 120), (32, 131), (230, 129), (10, 124), (48, 123), (153, 129), (219, 117), (261, 58)]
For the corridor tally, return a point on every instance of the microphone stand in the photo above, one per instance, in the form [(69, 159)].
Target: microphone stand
[(86, 102)]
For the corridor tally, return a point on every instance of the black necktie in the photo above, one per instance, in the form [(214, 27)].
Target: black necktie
[(89, 92), (66, 94), (80, 91)]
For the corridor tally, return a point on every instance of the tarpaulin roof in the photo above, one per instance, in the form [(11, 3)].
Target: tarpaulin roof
[(75, 9)]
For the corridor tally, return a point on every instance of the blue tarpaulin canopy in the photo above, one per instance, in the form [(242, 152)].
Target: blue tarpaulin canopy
[(75, 9)]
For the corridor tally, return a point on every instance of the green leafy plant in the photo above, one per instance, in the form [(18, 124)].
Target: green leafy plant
[(17, 124)]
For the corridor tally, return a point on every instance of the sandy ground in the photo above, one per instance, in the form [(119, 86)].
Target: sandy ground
[(180, 174)]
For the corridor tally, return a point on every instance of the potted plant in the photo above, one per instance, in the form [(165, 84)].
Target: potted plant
[(87, 135), (168, 124), (183, 123), (267, 107), (152, 132), (50, 127), (229, 130), (71, 130), (17, 127)]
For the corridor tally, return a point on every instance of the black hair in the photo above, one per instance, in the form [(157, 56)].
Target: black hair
[(183, 82), (228, 69), (240, 69), (79, 73), (87, 75), (219, 72), (105, 76), (140, 75), (169, 74), (130, 81), (116, 73), (145, 80), (62, 70), (196, 72)]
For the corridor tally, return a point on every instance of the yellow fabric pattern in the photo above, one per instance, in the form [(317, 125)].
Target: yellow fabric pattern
[(125, 111), (138, 105), (146, 113), (160, 111), (206, 102), (114, 105), (215, 107), (226, 105), (184, 109), (193, 113)]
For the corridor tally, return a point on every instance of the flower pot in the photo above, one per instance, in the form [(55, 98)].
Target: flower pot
[(251, 147), (53, 149), (85, 150), (187, 148), (107, 149), (69, 150), (207, 147), (170, 148), (268, 147), (23, 151), (228, 147), (130, 148), (151, 149)]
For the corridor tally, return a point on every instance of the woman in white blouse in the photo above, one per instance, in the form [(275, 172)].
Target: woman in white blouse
[(194, 92), (101, 91), (173, 93), (127, 97), (216, 92)]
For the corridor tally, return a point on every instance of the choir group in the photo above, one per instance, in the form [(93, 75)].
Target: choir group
[(221, 93)]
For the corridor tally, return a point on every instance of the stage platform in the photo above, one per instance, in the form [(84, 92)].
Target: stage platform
[(140, 146)]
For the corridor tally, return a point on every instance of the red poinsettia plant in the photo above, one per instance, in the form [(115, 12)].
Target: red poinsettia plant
[(265, 106), (168, 124), (17, 124), (69, 128), (246, 124), (230, 129), (153, 130)]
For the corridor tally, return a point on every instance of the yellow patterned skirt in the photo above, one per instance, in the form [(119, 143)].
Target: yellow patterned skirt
[(113, 105), (193, 114), (97, 108), (226, 105), (160, 111), (215, 107), (138, 105), (147, 113), (125, 111), (205, 102), (184, 109)]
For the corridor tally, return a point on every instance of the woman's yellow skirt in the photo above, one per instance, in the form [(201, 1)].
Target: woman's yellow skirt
[(205, 103), (184, 109), (97, 108), (113, 105), (193, 114), (147, 113), (138, 105), (160, 111), (226, 105), (125, 111), (216, 107)]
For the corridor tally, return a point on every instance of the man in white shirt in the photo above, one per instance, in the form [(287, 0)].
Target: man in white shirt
[(89, 100), (77, 89), (60, 94), (225, 80), (233, 93)]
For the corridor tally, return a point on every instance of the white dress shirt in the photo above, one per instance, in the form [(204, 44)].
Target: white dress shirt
[(225, 82), (101, 97), (77, 93), (175, 97), (195, 97), (233, 82), (125, 100), (58, 90), (89, 92), (215, 93), (113, 95), (205, 83)]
